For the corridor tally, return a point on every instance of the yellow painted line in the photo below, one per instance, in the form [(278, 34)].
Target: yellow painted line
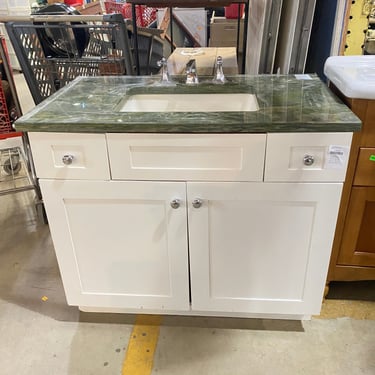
[(333, 309), (139, 357)]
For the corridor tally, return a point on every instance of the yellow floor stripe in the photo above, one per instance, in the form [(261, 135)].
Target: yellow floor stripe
[(139, 357), (332, 309)]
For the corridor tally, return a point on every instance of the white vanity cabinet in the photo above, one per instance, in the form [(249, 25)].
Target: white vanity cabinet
[(120, 244), (261, 248), (221, 224)]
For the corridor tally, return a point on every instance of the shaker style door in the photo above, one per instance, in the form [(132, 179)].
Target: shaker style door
[(260, 248), (358, 241), (120, 244)]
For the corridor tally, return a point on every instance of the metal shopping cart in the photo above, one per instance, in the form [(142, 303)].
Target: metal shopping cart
[(54, 49), (145, 15), (150, 49), (16, 168)]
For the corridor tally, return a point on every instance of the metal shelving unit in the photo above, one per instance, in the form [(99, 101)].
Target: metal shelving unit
[(16, 169)]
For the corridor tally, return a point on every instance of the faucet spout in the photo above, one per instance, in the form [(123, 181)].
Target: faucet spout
[(191, 72)]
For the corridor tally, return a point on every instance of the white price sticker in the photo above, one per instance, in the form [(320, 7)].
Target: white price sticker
[(336, 157)]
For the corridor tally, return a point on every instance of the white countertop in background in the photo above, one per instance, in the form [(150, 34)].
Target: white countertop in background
[(354, 76)]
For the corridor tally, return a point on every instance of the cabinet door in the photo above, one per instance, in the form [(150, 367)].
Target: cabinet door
[(120, 244), (358, 241), (260, 248)]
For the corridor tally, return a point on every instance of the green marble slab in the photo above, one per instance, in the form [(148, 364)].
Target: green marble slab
[(286, 104)]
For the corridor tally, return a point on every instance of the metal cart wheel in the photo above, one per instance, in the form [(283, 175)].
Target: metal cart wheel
[(12, 165)]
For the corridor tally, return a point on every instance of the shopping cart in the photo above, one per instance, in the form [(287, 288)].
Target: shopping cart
[(54, 49), (150, 48), (145, 15), (16, 168)]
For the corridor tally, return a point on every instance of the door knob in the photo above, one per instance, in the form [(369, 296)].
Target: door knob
[(175, 203), (197, 203), (308, 160), (67, 159)]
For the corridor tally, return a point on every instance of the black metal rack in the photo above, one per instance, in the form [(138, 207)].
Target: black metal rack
[(54, 49)]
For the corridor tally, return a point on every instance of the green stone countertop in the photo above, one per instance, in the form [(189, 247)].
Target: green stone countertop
[(286, 104)]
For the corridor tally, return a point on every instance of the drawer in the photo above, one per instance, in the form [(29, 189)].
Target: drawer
[(307, 157), (199, 157), (70, 156), (365, 172)]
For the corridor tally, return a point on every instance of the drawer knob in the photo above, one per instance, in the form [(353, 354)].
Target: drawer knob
[(308, 160), (67, 159), (175, 203), (197, 203)]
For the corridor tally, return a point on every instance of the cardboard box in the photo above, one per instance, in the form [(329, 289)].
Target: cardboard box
[(223, 32)]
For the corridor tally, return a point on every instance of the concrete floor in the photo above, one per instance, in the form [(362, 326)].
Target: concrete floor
[(41, 335)]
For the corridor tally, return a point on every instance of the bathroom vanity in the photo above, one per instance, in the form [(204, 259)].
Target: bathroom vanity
[(210, 212)]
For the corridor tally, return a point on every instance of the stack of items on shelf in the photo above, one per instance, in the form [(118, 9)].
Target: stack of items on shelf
[(15, 166), (223, 30)]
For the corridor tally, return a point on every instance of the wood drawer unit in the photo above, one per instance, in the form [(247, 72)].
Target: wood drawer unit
[(70, 156), (358, 244), (365, 172), (195, 157), (316, 157), (353, 251)]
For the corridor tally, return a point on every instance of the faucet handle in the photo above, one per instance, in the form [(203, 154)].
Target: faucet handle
[(162, 62), (219, 74)]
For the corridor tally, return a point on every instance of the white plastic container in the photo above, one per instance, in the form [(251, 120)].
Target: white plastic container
[(354, 76)]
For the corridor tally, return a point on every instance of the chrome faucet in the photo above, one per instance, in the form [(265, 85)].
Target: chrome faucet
[(219, 74), (164, 71), (191, 73)]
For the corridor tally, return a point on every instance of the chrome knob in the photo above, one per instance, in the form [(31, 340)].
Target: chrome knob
[(197, 203), (175, 203), (67, 159), (308, 160)]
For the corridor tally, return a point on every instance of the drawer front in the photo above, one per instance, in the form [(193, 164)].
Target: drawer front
[(70, 156), (199, 157), (365, 173), (307, 157)]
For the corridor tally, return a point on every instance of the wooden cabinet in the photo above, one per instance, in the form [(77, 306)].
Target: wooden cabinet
[(192, 224), (358, 242), (353, 252)]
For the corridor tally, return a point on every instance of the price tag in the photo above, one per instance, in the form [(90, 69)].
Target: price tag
[(336, 157)]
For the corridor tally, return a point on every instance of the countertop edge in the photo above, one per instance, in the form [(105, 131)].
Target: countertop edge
[(168, 128)]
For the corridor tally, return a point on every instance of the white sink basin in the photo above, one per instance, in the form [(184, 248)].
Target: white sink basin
[(354, 76), (191, 103)]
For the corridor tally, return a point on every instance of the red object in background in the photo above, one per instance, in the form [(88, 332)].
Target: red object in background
[(5, 123), (145, 15), (231, 11), (73, 2)]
